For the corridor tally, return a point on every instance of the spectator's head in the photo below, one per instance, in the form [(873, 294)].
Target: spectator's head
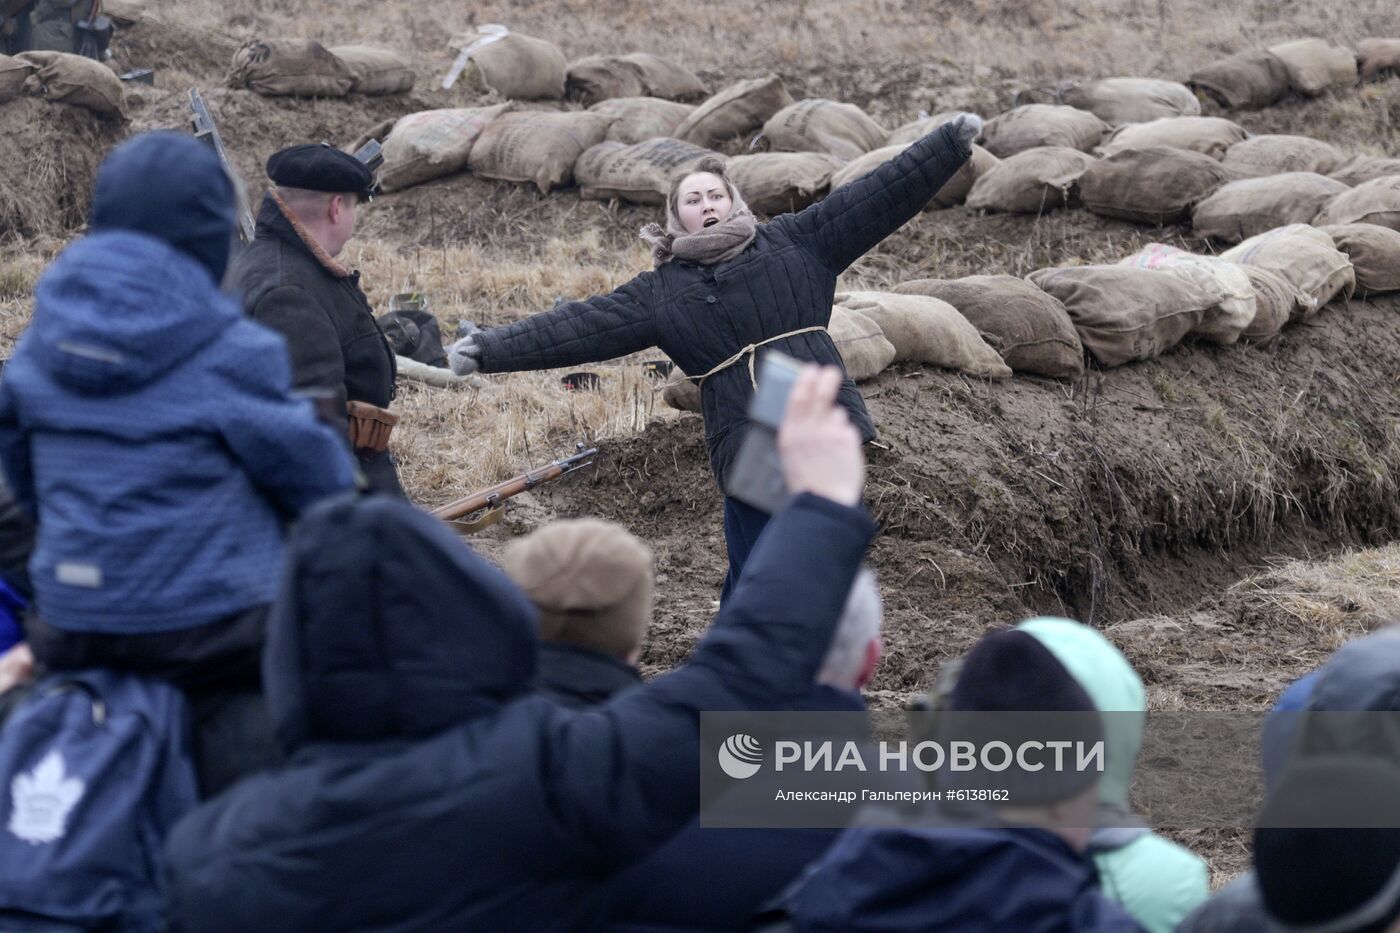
[(172, 187), (591, 581), (1332, 880), (1012, 674), (855, 648), (389, 627), (321, 186), (701, 197)]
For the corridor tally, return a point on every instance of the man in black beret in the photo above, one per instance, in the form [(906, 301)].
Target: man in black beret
[(291, 281)]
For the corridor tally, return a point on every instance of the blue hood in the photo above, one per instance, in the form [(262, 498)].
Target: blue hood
[(172, 187), (389, 627), (118, 310)]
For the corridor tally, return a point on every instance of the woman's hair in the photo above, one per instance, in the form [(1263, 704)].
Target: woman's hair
[(712, 164)]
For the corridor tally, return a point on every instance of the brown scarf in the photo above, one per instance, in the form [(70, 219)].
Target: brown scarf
[(708, 246)]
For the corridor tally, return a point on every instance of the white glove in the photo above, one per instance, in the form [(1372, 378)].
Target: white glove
[(464, 356), (966, 127)]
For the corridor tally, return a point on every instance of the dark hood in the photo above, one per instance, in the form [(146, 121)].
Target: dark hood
[(1361, 675), (172, 187), (389, 627)]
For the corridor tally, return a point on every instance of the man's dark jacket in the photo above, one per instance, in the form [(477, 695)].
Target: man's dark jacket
[(337, 348), (702, 315), (579, 677), (429, 788)]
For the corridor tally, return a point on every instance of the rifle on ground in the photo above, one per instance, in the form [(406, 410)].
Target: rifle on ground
[(206, 131), (491, 500)]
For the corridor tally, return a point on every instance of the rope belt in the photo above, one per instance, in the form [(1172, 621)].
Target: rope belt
[(750, 352)]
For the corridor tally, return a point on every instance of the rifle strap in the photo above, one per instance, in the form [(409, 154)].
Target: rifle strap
[(750, 352)]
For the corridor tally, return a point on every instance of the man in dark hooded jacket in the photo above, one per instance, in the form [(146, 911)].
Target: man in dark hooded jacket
[(429, 788)]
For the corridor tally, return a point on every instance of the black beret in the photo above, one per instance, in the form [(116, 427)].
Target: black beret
[(319, 167)]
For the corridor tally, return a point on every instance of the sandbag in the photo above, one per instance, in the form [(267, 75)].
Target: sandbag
[(1374, 252), (1272, 154), (1372, 202), (1224, 323), (1244, 208), (73, 79), (1365, 168), (635, 119), (1036, 181), (781, 182), (432, 143), (1124, 314), (512, 65), (1029, 329), (738, 109), (602, 77), (927, 330), (1378, 57), (866, 164), (666, 79), (124, 12), (376, 71), (1159, 185), (1212, 136), (1034, 126), (13, 72), (954, 190), (1305, 256), (536, 146), (1276, 302), (1314, 65), (682, 395), (862, 344), (1246, 81), (1132, 100), (814, 125), (638, 173), (915, 130), (290, 68)]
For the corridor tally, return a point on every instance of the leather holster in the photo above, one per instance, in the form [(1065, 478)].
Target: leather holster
[(369, 426)]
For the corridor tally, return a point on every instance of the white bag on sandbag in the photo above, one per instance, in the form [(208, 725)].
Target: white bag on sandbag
[(1224, 323)]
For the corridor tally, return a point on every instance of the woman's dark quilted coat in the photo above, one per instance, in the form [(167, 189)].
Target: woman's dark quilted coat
[(702, 315)]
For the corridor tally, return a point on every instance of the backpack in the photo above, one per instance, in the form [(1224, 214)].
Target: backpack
[(94, 771)]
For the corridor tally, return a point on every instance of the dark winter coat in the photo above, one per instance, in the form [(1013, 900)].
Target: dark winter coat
[(952, 880), (578, 677), (337, 347), (702, 315), (430, 788), (151, 429)]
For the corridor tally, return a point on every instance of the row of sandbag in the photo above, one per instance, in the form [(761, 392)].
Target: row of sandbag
[(59, 76), (1261, 77)]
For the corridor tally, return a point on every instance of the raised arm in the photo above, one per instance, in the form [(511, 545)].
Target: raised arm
[(600, 328), (851, 220)]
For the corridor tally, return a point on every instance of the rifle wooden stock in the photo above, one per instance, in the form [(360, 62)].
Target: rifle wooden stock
[(493, 496)]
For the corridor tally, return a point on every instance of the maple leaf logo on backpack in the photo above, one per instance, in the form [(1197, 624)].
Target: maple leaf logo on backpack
[(42, 800)]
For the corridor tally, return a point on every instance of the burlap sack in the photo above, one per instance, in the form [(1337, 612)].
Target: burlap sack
[(1374, 253), (1378, 57), (1034, 126), (124, 12), (666, 79), (638, 173), (290, 68), (13, 73), (376, 71), (537, 146), (1036, 181), (1132, 100), (1248, 81), (1314, 65), (1124, 314), (1030, 329), (813, 125), (862, 344), (1372, 202), (781, 182), (1224, 323), (1276, 154), (682, 396), (1212, 136), (927, 330), (1151, 186), (602, 77), (73, 79), (915, 130), (1276, 302), (432, 143), (1305, 256), (635, 119), (1365, 168), (738, 109), (953, 192), (1244, 208), (513, 66)]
